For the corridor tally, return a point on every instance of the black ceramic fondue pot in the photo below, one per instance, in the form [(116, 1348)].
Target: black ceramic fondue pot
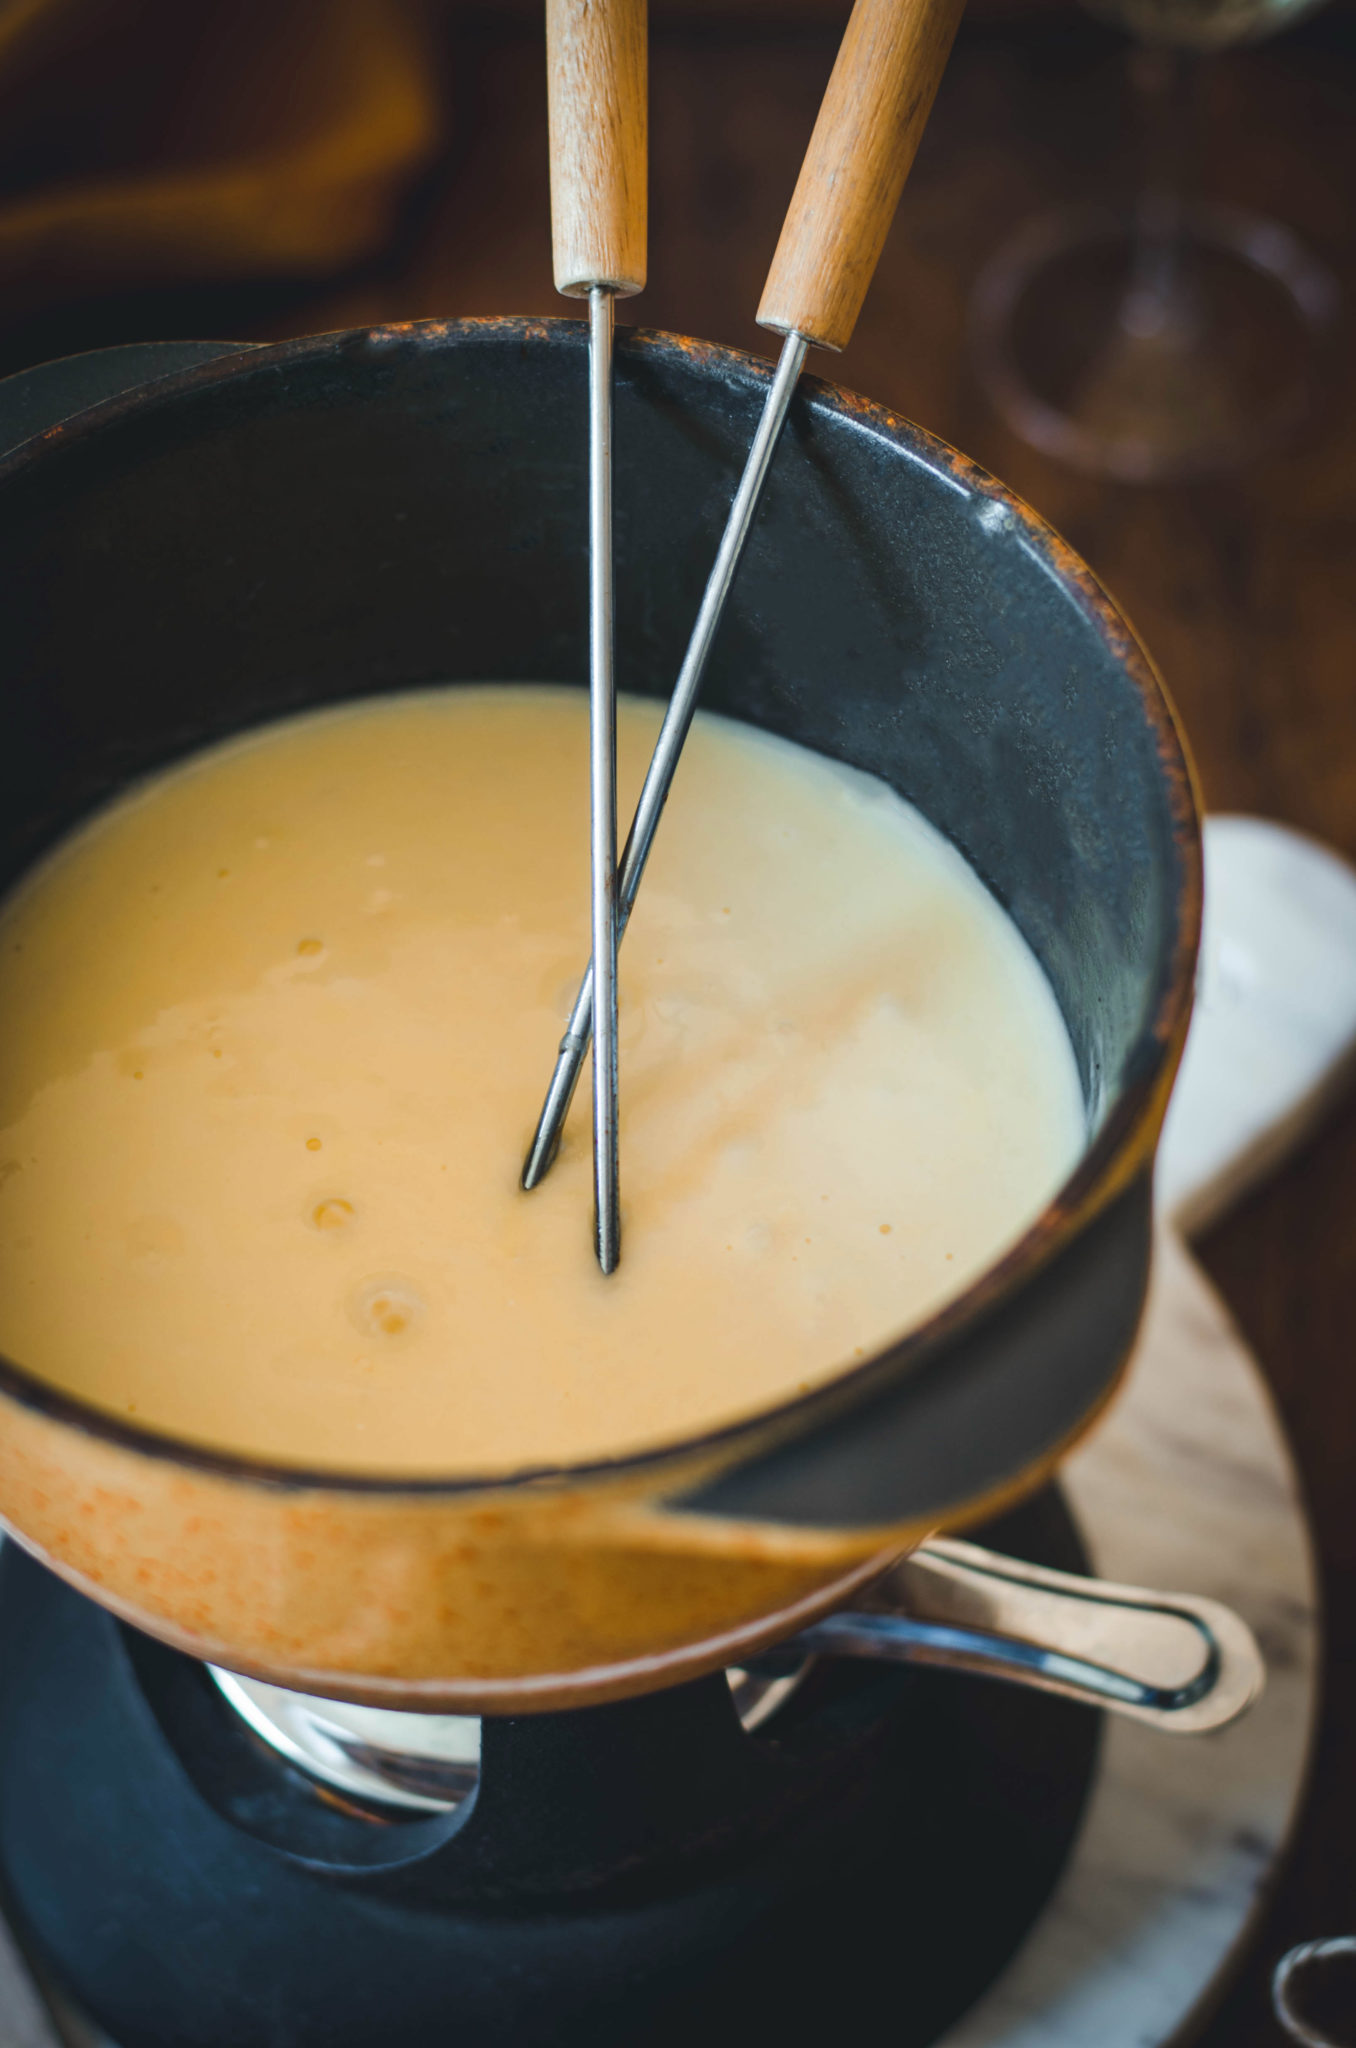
[(249, 532)]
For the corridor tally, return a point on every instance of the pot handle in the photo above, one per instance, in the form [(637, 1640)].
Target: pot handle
[(1169, 1659)]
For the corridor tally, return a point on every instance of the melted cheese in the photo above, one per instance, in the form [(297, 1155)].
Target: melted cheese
[(276, 1027)]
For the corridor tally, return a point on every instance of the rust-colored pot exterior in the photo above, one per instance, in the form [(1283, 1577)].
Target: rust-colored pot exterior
[(271, 528)]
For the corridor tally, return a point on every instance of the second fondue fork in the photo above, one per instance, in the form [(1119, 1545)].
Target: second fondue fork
[(872, 117), (596, 57)]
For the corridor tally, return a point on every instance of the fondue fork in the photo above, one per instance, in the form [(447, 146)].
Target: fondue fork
[(596, 56), (872, 117)]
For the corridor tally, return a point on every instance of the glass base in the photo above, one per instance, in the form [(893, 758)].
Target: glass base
[(1216, 364)]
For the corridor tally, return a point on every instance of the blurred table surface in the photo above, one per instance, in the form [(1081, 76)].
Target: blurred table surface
[(1244, 590)]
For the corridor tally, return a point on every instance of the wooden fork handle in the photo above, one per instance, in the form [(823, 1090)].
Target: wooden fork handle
[(870, 124), (596, 62)]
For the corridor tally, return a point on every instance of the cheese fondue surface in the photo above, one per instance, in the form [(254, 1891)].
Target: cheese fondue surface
[(274, 1030)]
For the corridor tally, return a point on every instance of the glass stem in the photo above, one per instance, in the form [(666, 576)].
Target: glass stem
[(1166, 86)]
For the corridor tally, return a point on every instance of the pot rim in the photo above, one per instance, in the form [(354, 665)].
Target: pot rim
[(1120, 1149)]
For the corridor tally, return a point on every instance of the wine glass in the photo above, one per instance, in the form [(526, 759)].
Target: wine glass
[(1171, 338)]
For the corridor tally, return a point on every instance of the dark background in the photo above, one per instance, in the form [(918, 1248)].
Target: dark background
[(118, 121)]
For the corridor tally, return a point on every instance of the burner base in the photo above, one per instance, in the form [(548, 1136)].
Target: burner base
[(641, 1871)]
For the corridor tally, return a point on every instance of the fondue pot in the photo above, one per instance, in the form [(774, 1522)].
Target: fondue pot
[(248, 532)]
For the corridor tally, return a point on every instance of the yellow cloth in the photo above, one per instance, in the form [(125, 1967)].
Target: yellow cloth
[(144, 141)]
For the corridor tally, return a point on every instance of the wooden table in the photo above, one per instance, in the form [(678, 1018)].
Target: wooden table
[(1245, 591)]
